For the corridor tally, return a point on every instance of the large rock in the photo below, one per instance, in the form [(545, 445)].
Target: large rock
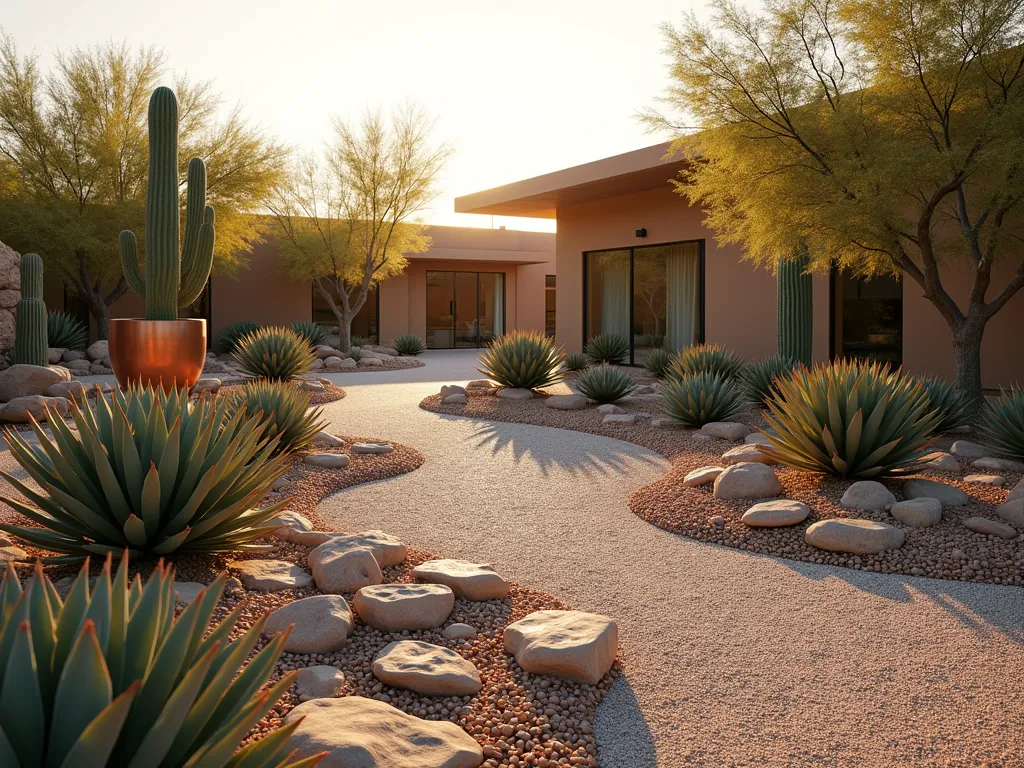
[(1017, 492), (370, 362), (574, 645), (378, 449), (10, 293), (965, 449), (775, 514), (918, 513), (747, 452), (726, 430), (322, 624), (340, 569), (566, 402), (948, 495), (459, 631), (999, 465), (472, 581), (747, 481), (323, 351), (18, 410), (1012, 512), (272, 575), (387, 550), (356, 732), (327, 460), (990, 527), (398, 607), (512, 393), (757, 438), (24, 380), (455, 399), (858, 537), (451, 389), (996, 481), (98, 351), (292, 526), (942, 462), (430, 670), (324, 439), (69, 390), (702, 476), (619, 418), (319, 682), (867, 495)]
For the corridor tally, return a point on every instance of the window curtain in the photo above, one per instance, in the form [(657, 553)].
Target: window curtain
[(615, 294), (682, 273), (499, 304)]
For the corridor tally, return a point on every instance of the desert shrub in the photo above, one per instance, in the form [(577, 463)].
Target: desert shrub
[(230, 336), (284, 409), (759, 376), (63, 331), (358, 341), (955, 410), (409, 344), (522, 359), (274, 353), (701, 398), (576, 362), (607, 348), (706, 358), (852, 419), (314, 334), (605, 384), (145, 471), (1002, 423), (657, 362), (110, 676)]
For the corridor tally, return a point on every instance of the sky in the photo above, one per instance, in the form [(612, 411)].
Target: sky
[(519, 87)]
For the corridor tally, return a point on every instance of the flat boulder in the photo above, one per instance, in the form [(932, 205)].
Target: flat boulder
[(702, 476), (398, 607), (459, 631), (998, 464), (319, 682), (757, 438), (965, 449), (451, 389), (574, 645), (38, 407), (747, 481), (609, 408), (327, 460), (291, 526), (387, 550), (10, 553), (323, 439), (619, 418), (343, 568), (867, 495), (69, 390), (22, 380), (372, 448), (427, 669), (98, 350), (917, 513), (726, 430), (513, 393), (996, 481), (479, 384), (187, 591), (370, 362), (1012, 512), (1017, 492), (566, 402), (941, 461), (272, 575), (775, 514), (948, 495), (455, 399), (471, 581), (322, 624), (357, 732), (858, 537), (747, 452), (990, 527)]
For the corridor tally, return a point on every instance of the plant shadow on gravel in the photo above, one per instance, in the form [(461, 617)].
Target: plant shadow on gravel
[(625, 737)]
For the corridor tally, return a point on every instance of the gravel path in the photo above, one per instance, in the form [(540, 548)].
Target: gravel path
[(732, 659)]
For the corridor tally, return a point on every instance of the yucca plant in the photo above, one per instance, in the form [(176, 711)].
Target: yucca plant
[(314, 334), (701, 398), (523, 360), (234, 333), (706, 358), (759, 377), (850, 418), (409, 344), (146, 471), (576, 362), (1002, 423), (605, 384), (64, 331), (657, 362), (283, 408), (607, 348), (955, 410), (111, 677), (274, 353)]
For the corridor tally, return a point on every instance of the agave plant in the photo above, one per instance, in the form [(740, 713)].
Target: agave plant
[(523, 359), (314, 334), (111, 677), (64, 331), (409, 344), (657, 362), (852, 419), (955, 410), (706, 358), (234, 333), (605, 384), (607, 348), (759, 377), (1002, 423), (148, 472), (274, 353), (283, 408), (701, 398), (576, 362)]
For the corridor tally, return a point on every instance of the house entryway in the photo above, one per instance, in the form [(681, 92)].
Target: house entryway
[(464, 309)]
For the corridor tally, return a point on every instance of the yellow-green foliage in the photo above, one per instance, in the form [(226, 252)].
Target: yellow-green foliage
[(283, 407), (706, 358), (523, 359)]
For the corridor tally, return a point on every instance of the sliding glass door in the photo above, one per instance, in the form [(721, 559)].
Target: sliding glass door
[(464, 309), (651, 296)]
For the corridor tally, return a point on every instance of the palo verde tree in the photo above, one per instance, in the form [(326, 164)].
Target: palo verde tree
[(75, 151), (887, 136), (347, 222)]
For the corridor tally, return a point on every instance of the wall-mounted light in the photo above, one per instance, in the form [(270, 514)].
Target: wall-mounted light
[(642, 232)]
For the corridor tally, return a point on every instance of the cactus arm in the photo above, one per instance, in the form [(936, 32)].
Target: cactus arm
[(194, 277), (163, 267), (129, 250), (195, 208)]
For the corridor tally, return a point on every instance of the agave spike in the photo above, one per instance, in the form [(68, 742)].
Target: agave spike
[(605, 384), (276, 353), (699, 398), (523, 359)]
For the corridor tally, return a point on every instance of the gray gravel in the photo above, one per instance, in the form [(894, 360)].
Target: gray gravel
[(731, 659)]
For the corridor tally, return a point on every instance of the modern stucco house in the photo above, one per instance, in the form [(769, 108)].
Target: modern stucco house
[(634, 258), (470, 285)]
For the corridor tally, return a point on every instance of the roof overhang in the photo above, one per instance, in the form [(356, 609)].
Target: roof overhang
[(541, 196)]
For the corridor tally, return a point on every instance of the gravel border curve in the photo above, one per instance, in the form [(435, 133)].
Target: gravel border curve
[(945, 551)]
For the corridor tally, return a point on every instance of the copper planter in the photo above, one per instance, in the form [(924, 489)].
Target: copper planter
[(170, 353)]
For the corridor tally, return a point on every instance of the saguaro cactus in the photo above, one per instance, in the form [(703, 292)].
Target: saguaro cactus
[(171, 280), (30, 341), (795, 316)]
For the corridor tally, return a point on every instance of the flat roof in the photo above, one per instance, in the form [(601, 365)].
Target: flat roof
[(541, 196)]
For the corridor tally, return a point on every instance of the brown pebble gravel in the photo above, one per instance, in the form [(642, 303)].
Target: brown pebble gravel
[(692, 512)]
